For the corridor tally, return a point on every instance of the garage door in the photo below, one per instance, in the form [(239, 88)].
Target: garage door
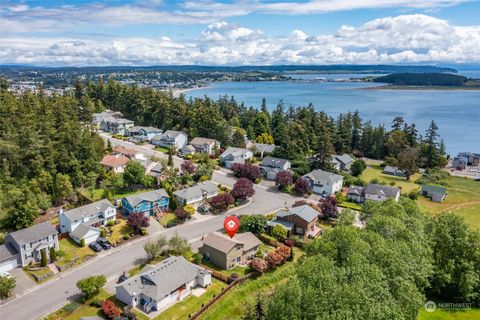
[(91, 238), (8, 265), (317, 189)]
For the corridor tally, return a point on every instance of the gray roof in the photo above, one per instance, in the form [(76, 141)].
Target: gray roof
[(162, 279), (274, 162), (82, 230), (118, 121), (356, 190), (392, 169), (196, 191), (224, 244), (264, 147), (202, 141), (7, 252), (344, 158), (286, 224), (171, 134), (88, 209), (320, 175), (380, 189), (33, 233), (188, 147), (305, 212), (235, 152), (434, 189), (150, 196)]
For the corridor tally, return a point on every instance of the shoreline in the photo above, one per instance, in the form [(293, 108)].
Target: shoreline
[(421, 88), (177, 92)]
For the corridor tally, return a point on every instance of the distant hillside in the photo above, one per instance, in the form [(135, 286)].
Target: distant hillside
[(423, 79), (274, 68)]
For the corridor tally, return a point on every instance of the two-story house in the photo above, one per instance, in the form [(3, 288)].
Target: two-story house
[(235, 155), (143, 133), (196, 194), (323, 182), (227, 252), (301, 220), (205, 145), (116, 125), (23, 246), (99, 117), (149, 203), (270, 166), (171, 139), (83, 222)]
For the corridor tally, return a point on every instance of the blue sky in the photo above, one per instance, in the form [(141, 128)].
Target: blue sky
[(237, 32)]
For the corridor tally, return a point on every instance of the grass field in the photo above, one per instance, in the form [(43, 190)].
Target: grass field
[(229, 307), (72, 250), (471, 214), (471, 314), (119, 230), (98, 193), (374, 171)]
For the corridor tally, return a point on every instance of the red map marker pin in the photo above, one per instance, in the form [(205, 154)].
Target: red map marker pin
[(231, 225)]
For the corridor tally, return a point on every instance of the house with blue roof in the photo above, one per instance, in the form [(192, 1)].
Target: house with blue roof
[(149, 203)]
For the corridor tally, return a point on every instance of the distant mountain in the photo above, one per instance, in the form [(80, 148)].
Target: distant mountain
[(274, 68)]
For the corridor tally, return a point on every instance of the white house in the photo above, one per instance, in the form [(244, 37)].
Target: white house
[(196, 194), (323, 182), (162, 285), (171, 139), (116, 125), (235, 155), (83, 222), (378, 192)]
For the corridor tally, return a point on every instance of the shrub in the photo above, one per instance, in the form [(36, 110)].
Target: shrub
[(143, 232), (246, 170), (181, 214), (279, 232), (126, 237), (329, 207), (91, 285), (111, 223), (284, 251), (234, 276), (302, 186), (137, 221), (53, 254), (284, 178), (43, 259), (7, 284), (259, 265), (221, 202), (103, 233), (253, 223), (243, 189), (82, 243), (71, 307), (274, 259), (190, 210), (110, 310), (97, 302), (197, 258), (289, 242)]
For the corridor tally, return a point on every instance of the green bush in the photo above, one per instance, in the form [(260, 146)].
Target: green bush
[(82, 243), (103, 233), (143, 232), (126, 237), (279, 232), (111, 223), (71, 307), (189, 209), (53, 254), (97, 302), (43, 259)]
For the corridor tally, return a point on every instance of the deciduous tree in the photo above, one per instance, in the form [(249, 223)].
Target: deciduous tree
[(243, 189), (137, 220)]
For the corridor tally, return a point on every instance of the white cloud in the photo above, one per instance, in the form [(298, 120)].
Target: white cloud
[(406, 38)]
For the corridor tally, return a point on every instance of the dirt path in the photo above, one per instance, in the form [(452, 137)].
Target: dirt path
[(460, 205)]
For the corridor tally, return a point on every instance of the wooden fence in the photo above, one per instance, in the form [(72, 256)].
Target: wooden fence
[(214, 300)]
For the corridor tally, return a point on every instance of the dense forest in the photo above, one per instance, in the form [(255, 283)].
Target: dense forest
[(47, 149), (423, 79), (402, 258)]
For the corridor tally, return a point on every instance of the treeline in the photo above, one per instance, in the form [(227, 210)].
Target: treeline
[(388, 270), (46, 151), (423, 79), (300, 132)]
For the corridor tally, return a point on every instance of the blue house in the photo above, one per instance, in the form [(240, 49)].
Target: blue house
[(149, 203)]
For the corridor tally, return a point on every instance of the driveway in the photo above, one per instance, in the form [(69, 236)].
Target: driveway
[(24, 282)]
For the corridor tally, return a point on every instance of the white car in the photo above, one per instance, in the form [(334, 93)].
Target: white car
[(5, 274)]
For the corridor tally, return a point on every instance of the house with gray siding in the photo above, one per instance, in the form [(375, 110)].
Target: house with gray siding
[(149, 203), (24, 246), (393, 171), (342, 162), (435, 193), (235, 155), (270, 166), (196, 194), (162, 285), (374, 192), (88, 218), (323, 182), (227, 252), (171, 139), (116, 125)]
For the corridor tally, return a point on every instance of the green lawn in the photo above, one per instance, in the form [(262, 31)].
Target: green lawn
[(119, 230), (241, 271), (350, 205), (471, 314), (229, 307), (167, 218), (161, 149), (98, 193), (72, 250), (374, 171), (471, 214)]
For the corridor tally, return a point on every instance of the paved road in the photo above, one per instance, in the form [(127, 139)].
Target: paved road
[(52, 295)]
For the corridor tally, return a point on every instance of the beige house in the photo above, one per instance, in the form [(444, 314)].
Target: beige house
[(227, 252)]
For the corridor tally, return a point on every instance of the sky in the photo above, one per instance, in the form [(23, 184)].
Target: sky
[(239, 32)]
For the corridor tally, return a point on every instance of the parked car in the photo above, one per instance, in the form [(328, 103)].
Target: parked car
[(95, 247), (5, 274), (203, 209), (104, 243), (122, 278)]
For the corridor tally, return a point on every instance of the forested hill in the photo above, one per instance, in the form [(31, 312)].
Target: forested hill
[(423, 79)]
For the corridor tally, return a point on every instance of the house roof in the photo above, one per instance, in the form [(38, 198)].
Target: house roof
[(320, 175), (125, 151), (274, 162), (355, 190), (171, 134), (379, 189), (189, 147), (114, 160), (7, 252), (224, 244), (33, 233), (81, 231), (118, 121), (305, 212), (160, 280), (344, 158), (88, 210), (202, 141), (434, 189), (391, 169), (150, 196), (264, 147), (196, 191), (235, 152), (286, 224)]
